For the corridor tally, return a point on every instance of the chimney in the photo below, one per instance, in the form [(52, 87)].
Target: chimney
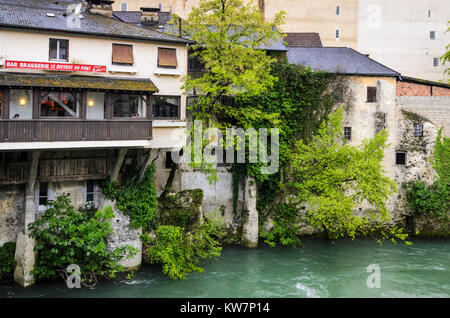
[(150, 16), (100, 7), (261, 6)]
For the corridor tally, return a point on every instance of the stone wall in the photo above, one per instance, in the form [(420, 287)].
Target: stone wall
[(12, 199)]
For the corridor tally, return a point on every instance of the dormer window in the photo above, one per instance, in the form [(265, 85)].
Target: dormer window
[(122, 54), (59, 50), (167, 58)]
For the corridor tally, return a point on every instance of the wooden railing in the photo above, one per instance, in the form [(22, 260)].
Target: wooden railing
[(74, 130)]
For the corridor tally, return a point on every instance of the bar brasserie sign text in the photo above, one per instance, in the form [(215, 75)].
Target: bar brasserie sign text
[(56, 66)]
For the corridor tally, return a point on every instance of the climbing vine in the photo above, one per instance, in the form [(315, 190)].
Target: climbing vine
[(136, 199), (434, 199), (182, 237)]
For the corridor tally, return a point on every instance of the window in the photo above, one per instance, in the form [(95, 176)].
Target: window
[(418, 130), (371, 94), (166, 107), (432, 35), (435, 61), (429, 13), (337, 34), (134, 106), (20, 104), (348, 133), (338, 94), (43, 194), (337, 10), (167, 58), (169, 160), (122, 54), (59, 50), (124, 6), (59, 104), (90, 191), (400, 158), (14, 156), (95, 105)]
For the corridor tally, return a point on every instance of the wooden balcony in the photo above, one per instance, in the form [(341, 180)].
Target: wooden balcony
[(48, 130)]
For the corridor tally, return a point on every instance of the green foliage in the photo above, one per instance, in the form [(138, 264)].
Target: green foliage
[(432, 200), (227, 35), (179, 210), (7, 261), (441, 162), (297, 103), (285, 229), (65, 236), (180, 252), (333, 177), (138, 200)]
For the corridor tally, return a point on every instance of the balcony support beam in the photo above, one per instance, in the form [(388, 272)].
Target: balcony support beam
[(118, 164)]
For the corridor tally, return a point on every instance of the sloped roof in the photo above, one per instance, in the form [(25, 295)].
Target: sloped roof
[(303, 39), (340, 60), (76, 82), (27, 14)]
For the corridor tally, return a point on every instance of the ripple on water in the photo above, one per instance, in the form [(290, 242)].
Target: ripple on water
[(319, 270)]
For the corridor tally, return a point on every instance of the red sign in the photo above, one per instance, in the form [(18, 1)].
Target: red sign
[(56, 66)]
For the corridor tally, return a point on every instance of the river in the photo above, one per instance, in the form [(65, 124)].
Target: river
[(321, 269)]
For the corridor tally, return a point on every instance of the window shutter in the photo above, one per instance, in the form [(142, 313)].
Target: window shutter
[(122, 54), (167, 57)]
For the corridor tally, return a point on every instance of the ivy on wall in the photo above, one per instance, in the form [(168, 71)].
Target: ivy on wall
[(133, 198)]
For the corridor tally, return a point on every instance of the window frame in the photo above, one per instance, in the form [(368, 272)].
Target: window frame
[(121, 63), (78, 100), (145, 105), (58, 50), (152, 100), (164, 66), (415, 130), (432, 35), (435, 62), (375, 91), (406, 158), (348, 133)]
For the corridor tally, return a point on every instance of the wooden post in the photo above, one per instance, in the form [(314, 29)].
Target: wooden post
[(117, 164)]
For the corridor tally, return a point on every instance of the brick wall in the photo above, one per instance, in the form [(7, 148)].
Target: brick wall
[(414, 89)]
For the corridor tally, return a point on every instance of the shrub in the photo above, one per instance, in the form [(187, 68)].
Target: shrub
[(180, 252), (433, 200), (65, 236), (135, 199), (7, 261)]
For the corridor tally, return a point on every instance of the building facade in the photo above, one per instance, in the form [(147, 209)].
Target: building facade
[(81, 96), (406, 35)]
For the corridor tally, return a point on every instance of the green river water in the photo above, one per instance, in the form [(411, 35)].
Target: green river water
[(321, 269)]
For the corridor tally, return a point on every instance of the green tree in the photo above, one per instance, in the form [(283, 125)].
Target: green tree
[(228, 37), (333, 177)]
